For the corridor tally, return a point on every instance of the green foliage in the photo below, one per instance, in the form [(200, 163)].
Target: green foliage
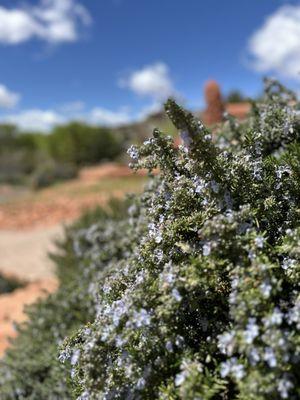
[(193, 295), (52, 172), (17, 154), (235, 96), (8, 284), (80, 144), (47, 158)]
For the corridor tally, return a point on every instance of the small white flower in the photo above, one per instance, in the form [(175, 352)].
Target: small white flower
[(229, 216), (234, 282), (206, 249), (288, 263), (282, 170), (238, 371), (169, 277), (257, 170), (159, 254), (75, 357), (169, 346), (284, 385), (179, 341), (199, 184), (148, 141), (274, 319), (180, 378), (140, 384), (226, 342), (269, 357), (199, 189), (251, 255), (84, 396), (119, 341), (133, 152), (141, 318), (117, 310), (252, 331), (266, 289), (106, 288), (177, 296), (140, 277), (225, 369), (63, 356), (259, 242), (158, 238), (232, 367), (254, 356)]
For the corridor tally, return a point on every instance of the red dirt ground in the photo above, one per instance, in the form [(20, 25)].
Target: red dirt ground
[(54, 205), (12, 307)]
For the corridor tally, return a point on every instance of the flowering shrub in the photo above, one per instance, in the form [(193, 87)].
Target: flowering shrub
[(196, 294), (207, 305)]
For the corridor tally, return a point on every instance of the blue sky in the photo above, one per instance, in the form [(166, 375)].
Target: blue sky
[(113, 61)]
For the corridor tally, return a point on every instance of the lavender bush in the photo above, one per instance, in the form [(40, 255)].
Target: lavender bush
[(207, 306), (197, 296)]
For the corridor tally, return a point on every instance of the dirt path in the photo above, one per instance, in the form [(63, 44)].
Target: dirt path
[(24, 254), (64, 202)]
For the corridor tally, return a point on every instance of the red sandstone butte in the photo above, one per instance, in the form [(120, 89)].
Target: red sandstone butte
[(215, 108)]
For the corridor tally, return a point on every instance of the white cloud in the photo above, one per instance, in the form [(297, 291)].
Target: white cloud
[(54, 21), (44, 120), (152, 80), (102, 116), (72, 107), (275, 47), (35, 120), (8, 99)]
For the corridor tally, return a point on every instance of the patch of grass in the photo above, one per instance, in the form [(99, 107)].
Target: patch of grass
[(132, 183)]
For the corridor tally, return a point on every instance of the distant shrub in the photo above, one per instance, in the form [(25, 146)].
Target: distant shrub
[(18, 154), (52, 172), (9, 284), (194, 295), (235, 96), (54, 156), (81, 144)]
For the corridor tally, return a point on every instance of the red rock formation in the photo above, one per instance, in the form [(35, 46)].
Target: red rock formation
[(214, 103)]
